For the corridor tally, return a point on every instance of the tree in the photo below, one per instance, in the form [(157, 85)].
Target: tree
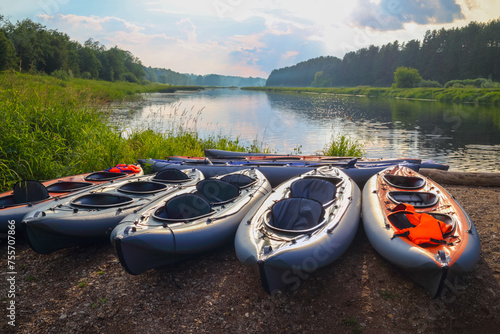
[(8, 58), (406, 77)]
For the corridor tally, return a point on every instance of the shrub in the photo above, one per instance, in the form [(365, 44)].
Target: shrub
[(429, 84), (406, 77), (61, 74)]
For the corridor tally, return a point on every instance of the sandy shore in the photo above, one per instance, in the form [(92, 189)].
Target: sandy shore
[(85, 290)]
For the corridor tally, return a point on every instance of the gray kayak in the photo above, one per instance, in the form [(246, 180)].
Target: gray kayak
[(306, 223), (277, 173), (89, 216), (191, 221), (430, 263)]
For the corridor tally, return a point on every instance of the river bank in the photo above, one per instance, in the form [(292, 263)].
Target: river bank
[(449, 95), (85, 290)]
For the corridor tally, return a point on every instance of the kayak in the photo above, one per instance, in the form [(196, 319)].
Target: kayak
[(415, 224), (305, 223), (276, 172), (213, 154), (89, 217), (28, 195), (191, 221)]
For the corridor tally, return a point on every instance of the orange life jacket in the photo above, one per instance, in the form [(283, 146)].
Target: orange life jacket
[(124, 168), (426, 229)]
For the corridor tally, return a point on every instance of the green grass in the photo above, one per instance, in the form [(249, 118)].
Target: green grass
[(53, 128), (343, 146), (451, 95)]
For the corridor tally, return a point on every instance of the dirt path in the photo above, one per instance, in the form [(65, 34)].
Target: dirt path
[(86, 290)]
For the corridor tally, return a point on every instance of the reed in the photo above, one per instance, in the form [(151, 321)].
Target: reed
[(343, 146), (52, 128)]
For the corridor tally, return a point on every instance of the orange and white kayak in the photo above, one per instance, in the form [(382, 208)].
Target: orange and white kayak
[(418, 226)]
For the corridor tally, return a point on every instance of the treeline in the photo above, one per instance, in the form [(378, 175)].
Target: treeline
[(454, 54), (31, 47), (171, 77)]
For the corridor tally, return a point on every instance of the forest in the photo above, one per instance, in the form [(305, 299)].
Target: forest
[(171, 77), (27, 46), (443, 55)]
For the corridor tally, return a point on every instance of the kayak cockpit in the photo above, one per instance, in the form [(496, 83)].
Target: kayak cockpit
[(25, 192), (415, 198), (142, 187), (67, 186), (404, 182), (296, 215)]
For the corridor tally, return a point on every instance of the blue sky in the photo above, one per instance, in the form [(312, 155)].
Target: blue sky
[(246, 37)]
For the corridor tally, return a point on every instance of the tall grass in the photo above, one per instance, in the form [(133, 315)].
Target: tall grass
[(343, 146), (51, 128)]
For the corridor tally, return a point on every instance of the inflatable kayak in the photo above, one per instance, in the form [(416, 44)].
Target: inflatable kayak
[(304, 224), (418, 226), (89, 217), (214, 154), (276, 172), (191, 221), (29, 195)]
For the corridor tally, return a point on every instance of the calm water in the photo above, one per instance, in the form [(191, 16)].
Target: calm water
[(467, 137)]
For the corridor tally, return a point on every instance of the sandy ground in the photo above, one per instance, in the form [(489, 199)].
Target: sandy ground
[(85, 290)]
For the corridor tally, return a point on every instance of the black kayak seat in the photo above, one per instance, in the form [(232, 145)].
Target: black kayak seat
[(104, 176), (217, 191), (296, 214), (67, 186), (171, 175), (101, 201), (239, 180), (29, 191), (404, 182), (312, 188), (184, 207), (142, 187), (415, 198)]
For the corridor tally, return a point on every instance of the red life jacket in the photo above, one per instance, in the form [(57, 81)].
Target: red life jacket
[(423, 228), (124, 168)]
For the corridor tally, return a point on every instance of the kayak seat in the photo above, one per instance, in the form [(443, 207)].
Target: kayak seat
[(217, 191), (401, 220), (239, 180), (67, 186), (184, 207), (104, 176), (29, 191), (296, 215), (415, 198), (404, 182), (143, 187), (316, 189), (101, 201), (171, 175)]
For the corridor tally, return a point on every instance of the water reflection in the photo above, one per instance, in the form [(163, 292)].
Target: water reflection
[(465, 136)]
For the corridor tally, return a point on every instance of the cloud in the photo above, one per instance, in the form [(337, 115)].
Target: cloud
[(393, 14)]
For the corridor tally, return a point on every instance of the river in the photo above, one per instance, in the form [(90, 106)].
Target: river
[(464, 136)]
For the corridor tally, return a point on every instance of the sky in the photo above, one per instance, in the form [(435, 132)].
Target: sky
[(245, 37)]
